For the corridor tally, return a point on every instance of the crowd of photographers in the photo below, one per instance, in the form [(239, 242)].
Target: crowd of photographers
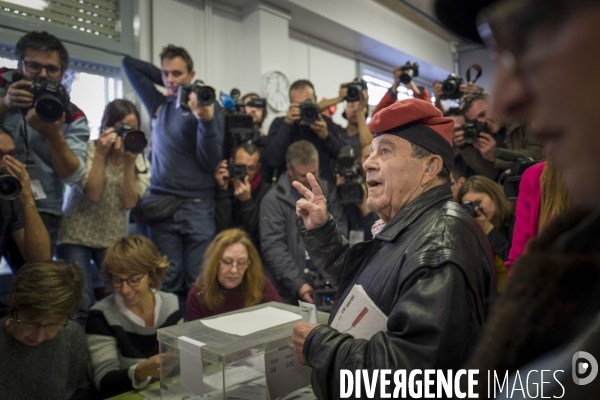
[(212, 192)]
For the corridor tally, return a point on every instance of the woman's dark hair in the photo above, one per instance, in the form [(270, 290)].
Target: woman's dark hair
[(116, 110), (43, 41)]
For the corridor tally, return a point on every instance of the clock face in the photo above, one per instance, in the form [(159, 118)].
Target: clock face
[(275, 86)]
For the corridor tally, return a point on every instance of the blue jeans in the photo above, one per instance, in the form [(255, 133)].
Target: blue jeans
[(83, 256), (183, 238)]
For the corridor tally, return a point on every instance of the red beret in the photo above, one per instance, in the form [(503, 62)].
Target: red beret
[(419, 122)]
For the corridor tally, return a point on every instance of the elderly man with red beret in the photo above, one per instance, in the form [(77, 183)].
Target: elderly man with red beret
[(429, 267)]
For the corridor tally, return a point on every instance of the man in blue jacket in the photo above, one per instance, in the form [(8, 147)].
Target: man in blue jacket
[(186, 148)]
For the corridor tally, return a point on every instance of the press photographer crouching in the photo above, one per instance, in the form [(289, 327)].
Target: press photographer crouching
[(482, 134), (352, 194), (48, 130), (303, 121), (21, 226), (240, 192), (485, 201)]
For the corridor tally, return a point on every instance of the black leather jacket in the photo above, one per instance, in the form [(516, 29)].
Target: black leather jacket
[(430, 270)]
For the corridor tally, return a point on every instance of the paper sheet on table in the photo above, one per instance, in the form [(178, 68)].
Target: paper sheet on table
[(243, 324), (359, 315)]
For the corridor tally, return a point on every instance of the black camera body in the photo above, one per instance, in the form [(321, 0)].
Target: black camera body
[(354, 90), (10, 187), (309, 112), (409, 71), (50, 100), (470, 207), (239, 126), (451, 88), (237, 171), (205, 94), (134, 140), (473, 129), (511, 178), (346, 165)]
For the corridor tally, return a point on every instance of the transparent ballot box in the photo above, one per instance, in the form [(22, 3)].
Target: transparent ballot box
[(245, 354)]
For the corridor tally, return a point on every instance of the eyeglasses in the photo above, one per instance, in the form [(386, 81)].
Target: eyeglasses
[(132, 281), (36, 68), (227, 265), (30, 327)]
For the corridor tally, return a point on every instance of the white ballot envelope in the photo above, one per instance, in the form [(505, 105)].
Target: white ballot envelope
[(359, 315)]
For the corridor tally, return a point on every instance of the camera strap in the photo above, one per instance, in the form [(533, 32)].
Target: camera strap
[(479, 71)]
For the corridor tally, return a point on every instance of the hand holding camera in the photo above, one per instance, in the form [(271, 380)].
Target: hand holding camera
[(222, 175), (293, 114), (22, 188), (474, 210), (106, 141), (18, 95), (343, 92), (486, 145), (320, 128), (50, 130), (242, 189), (199, 108)]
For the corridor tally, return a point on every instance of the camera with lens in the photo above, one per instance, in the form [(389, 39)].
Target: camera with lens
[(239, 126), (237, 171), (409, 71), (346, 165), (470, 207), (511, 178), (134, 140), (205, 94), (10, 187), (50, 100), (451, 88), (309, 112), (354, 90), (473, 129)]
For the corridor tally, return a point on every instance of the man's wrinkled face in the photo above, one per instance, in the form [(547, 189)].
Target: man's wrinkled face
[(481, 111), (174, 72), (393, 175), (30, 66), (557, 85)]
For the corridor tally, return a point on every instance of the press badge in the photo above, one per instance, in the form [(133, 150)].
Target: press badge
[(37, 190)]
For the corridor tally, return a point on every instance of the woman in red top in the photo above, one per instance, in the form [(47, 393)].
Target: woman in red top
[(232, 278)]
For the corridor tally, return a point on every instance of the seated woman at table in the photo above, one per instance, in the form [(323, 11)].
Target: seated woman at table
[(232, 278), (43, 353), (121, 329)]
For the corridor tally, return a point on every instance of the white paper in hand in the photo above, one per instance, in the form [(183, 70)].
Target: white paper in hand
[(359, 315)]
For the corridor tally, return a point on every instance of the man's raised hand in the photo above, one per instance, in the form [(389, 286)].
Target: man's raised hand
[(313, 208)]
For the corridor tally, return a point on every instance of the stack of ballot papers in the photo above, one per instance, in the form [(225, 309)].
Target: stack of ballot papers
[(359, 315)]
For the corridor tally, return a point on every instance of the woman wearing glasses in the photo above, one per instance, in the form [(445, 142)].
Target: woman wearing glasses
[(121, 329), (232, 278), (44, 355)]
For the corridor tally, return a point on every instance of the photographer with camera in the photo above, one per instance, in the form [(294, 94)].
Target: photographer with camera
[(482, 134), (240, 192), (357, 133), (187, 145), (95, 212), (21, 226), (50, 132), (286, 262), (303, 121), (404, 75), (259, 114), (453, 88)]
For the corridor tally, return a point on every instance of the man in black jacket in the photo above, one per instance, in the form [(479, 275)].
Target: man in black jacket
[(323, 134), (429, 269), (238, 200)]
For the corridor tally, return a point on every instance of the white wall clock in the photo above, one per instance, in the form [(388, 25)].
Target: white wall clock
[(275, 87)]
